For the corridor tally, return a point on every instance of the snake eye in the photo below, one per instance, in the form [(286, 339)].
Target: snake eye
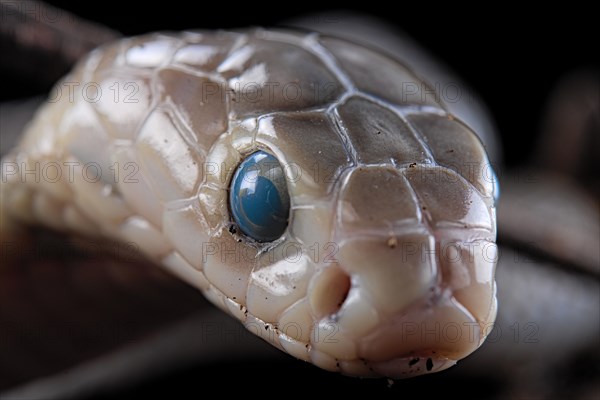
[(258, 197)]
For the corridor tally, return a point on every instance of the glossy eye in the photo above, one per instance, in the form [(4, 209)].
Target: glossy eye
[(496, 190), (258, 197)]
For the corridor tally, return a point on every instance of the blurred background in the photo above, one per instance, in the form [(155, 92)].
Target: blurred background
[(85, 324)]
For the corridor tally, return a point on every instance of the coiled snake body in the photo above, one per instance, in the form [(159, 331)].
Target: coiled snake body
[(386, 264)]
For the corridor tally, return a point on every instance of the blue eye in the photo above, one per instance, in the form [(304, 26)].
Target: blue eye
[(496, 187), (258, 197)]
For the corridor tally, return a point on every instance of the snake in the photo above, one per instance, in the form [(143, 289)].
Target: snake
[(330, 196)]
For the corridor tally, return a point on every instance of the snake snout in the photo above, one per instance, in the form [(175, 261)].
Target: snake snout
[(401, 305)]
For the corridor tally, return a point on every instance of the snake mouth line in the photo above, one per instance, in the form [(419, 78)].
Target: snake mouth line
[(406, 367)]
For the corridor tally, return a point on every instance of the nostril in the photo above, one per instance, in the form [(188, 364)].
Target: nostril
[(329, 290)]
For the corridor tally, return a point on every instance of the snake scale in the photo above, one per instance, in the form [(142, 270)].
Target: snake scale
[(385, 265)]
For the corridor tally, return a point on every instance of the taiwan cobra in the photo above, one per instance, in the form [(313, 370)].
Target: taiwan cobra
[(333, 198)]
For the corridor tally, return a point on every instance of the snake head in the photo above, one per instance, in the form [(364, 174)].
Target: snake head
[(365, 247), (386, 266)]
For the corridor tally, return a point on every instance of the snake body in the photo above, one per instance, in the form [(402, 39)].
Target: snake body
[(387, 264)]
